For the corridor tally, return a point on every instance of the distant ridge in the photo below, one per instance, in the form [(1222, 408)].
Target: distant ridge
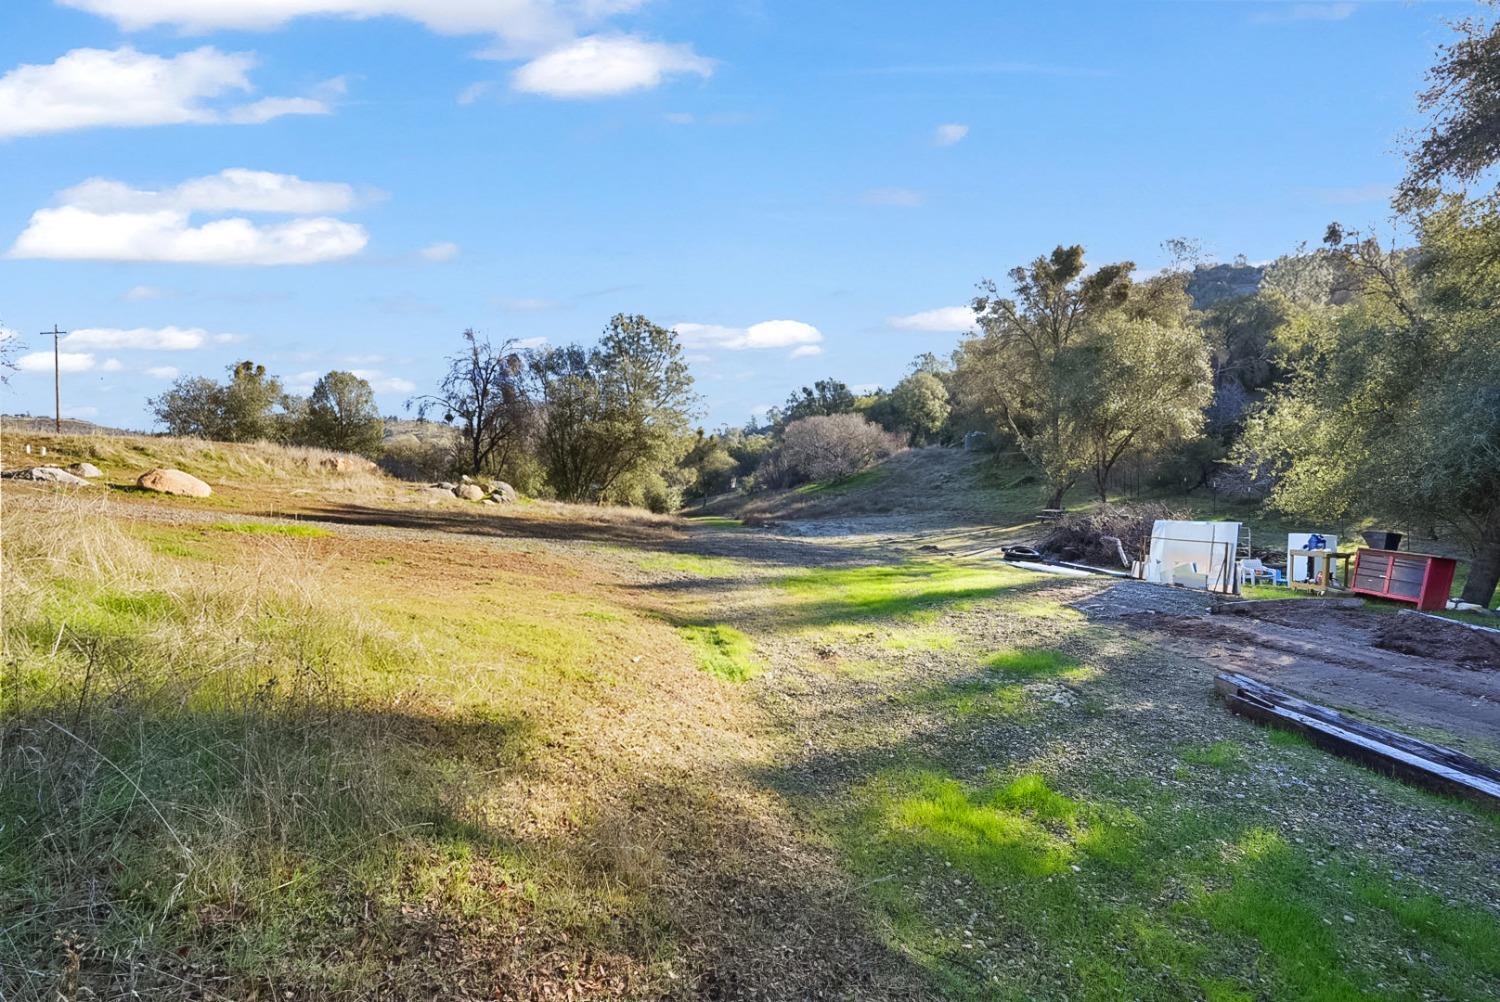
[(70, 426), (1214, 283)]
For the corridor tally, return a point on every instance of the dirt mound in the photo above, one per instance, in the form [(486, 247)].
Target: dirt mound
[(1439, 640)]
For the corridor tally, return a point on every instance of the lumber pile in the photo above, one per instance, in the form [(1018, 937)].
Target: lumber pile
[(1421, 763)]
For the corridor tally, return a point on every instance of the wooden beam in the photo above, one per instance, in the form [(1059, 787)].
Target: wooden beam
[(1422, 763)]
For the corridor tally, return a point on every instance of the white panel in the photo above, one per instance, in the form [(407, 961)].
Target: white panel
[(1196, 554)]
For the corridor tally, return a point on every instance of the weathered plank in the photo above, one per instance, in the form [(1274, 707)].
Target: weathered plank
[(1411, 759)]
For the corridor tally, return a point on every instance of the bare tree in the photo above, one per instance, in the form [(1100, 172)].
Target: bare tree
[(485, 391)]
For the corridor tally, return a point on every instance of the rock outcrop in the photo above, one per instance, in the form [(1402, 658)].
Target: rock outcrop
[(168, 481)]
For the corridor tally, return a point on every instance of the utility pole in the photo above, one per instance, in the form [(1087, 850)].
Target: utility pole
[(56, 379)]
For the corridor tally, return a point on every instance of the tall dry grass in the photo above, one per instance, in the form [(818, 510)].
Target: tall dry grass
[(177, 743), (246, 462)]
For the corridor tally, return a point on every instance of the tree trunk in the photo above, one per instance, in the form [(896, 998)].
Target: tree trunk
[(1484, 572)]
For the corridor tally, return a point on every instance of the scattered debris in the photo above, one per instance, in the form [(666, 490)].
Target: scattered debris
[(1112, 536), (1428, 765)]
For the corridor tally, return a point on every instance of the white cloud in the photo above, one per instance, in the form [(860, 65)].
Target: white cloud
[(442, 251), (766, 334), (67, 361), (137, 293), (106, 220), (123, 87), (259, 112), (163, 372), (235, 189), (949, 133), (515, 20), (602, 65), (903, 198), (139, 338), (112, 365), (942, 319), (807, 351), (381, 383)]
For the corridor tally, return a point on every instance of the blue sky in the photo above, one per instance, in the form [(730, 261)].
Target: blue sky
[(803, 189)]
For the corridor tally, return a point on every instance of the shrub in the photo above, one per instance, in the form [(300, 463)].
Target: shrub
[(412, 458), (827, 448)]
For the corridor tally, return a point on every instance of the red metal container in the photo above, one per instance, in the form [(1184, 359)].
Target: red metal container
[(1420, 578)]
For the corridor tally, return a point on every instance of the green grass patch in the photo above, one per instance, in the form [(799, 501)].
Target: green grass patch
[(295, 529), (1226, 755), (715, 521), (918, 590), (722, 651), (868, 478), (1031, 663), (1161, 900), (688, 563), (920, 639)]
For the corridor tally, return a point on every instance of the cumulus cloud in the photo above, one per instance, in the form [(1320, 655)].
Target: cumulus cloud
[(807, 351), (442, 251), (123, 87), (235, 189), (137, 293), (949, 134), (603, 65), (766, 334), (67, 361), (163, 372), (105, 220), (138, 339), (940, 320)]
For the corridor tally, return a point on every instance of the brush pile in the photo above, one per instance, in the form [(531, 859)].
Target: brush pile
[(1109, 536)]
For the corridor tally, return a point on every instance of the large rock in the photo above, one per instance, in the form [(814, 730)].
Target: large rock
[(85, 470), (168, 481), (432, 495), (468, 492), (503, 492), (48, 474)]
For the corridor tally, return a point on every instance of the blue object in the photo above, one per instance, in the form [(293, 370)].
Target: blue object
[(1315, 542)]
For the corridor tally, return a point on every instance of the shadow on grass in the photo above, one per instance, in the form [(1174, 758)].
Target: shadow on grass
[(319, 849), (665, 538)]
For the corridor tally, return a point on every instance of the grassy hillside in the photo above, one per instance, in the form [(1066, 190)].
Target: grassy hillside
[(125, 457)]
